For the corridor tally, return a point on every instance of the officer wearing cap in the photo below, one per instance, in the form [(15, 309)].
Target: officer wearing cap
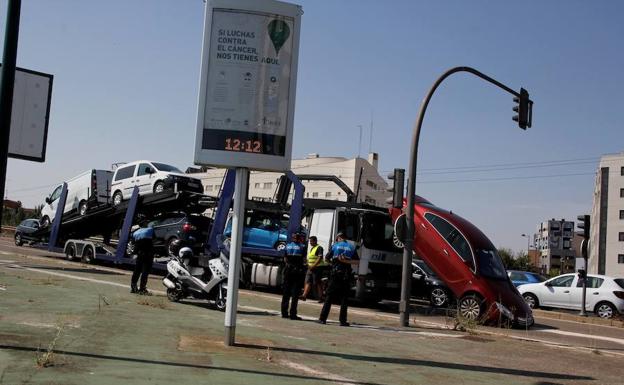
[(342, 255), (292, 276)]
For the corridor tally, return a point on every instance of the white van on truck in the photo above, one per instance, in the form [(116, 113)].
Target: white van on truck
[(87, 190)]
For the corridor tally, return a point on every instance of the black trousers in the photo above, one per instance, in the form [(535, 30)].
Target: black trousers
[(291, 286), (338, 290), (142, 268)]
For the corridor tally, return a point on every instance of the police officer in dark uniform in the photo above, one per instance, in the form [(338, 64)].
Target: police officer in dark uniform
[(293, 275), (342, 255)]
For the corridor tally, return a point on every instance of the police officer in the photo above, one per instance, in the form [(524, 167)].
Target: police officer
[(293, 275), (143, 242), (342, 255), (316, 267)]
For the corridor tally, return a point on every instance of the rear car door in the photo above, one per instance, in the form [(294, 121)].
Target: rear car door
[(592, 293)]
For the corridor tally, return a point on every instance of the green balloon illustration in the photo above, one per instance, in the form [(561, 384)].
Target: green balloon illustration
[(279, 33)]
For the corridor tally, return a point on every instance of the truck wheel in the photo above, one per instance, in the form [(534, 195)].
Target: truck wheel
[(159, 187), (279, 246), (117, 198), (18, 239), (87, 255), (82, 208), (70, 252)]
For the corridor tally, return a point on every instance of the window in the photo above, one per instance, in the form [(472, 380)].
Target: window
[(592, 282), (565, 281), (622, 193), (621, 236), (517, 276), (443, 227), (622, 171), (620, 258), (56, 193), (621, 214), (349, 224), (208, 187), (166, 168), (371, 184), (328, 194), (268, 185), (256, 185), (124, 173), (452, 236), (314, 195), (143, 169)]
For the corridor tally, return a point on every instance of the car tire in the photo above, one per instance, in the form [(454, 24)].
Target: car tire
[(45, 221), (531, 300), (18, 239), (117, 198), (470, 307), (279, 246), (70, 252), (87, 255), (605, 310), (159, 187), (82, 208), (438, 297)]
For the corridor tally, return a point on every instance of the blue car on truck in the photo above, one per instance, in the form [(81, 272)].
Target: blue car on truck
[(523, 277), (262, 230)]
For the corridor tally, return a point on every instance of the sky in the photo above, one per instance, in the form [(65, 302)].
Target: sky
[(126, 79)]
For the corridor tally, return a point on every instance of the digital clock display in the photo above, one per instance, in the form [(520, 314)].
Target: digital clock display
[(240, 141)]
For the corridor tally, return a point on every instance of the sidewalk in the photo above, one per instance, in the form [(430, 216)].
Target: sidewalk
[(100, 334)]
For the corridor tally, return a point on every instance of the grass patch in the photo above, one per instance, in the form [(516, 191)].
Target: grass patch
[(158, 303), (48, 358)]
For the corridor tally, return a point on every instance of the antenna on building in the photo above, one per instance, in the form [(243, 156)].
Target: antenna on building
[(360, 142), (370, 141)]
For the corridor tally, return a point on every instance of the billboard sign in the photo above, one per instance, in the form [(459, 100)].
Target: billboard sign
[(247, 84), (32, 94)]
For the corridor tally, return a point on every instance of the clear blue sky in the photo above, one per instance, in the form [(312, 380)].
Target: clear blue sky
[(126, 78)]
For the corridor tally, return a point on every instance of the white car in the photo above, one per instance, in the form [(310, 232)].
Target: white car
[(604, 295), (150, 177)]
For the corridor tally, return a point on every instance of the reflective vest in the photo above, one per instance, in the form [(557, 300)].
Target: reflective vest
[(312, 257)]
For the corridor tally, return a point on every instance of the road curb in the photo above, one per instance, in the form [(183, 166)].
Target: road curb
[(578, 318)]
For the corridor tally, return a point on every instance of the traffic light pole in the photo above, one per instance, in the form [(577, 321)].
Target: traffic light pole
[(411, 189)]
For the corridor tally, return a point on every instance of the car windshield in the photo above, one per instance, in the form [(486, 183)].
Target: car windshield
[(377, 232), (490, 264), (165, 167)]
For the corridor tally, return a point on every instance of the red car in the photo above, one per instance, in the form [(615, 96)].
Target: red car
[(465, 259)]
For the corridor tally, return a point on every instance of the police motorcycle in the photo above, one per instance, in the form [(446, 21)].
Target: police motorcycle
[(185, 278)]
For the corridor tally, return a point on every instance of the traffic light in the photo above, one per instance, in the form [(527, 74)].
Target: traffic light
[(524, 109), (583, 225), (398, 186)]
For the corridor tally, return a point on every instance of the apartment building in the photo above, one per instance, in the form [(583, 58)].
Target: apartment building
[(353, 172), (554, 240), (606, 247)]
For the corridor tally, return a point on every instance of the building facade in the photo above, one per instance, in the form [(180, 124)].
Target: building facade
[(360, 175), (606, 245), (554, 241)]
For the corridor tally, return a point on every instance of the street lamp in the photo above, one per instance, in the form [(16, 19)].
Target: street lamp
[(528, 239), (524, 117)]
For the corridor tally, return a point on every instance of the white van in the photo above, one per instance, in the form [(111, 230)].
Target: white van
[(89, 189), (150, 177)]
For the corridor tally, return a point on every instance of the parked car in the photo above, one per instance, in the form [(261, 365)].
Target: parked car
[(523, 277), (150, 177), (604, 295), (192, 229), (87, 190), (465, 259), (262, 230), (426, 284), (24, 231)]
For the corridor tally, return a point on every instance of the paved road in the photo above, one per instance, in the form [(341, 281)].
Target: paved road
[(547, 330)]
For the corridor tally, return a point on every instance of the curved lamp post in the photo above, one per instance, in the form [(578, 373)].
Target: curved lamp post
[(524, 120)]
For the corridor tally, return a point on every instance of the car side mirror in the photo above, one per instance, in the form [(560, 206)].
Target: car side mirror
[(549, 284), (417, 276), (48, 200)]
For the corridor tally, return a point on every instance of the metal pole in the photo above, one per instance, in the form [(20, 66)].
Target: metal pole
[(7, 82), (411, 187), (238, 218)]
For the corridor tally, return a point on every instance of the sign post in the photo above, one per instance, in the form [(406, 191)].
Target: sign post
[(246, 103)]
